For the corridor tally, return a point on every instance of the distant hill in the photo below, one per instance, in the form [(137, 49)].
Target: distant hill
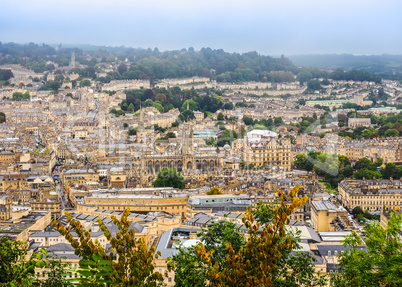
[(388, 66)]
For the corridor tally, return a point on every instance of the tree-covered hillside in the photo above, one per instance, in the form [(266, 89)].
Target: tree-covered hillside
[(130, 63), (387, 66)]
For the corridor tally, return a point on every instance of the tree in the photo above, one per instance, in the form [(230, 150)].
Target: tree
[(159, 107), (122, 68), (17, 96), (228, 106), (220, 117), (256, 264), (85, 83), (367, 174), (148, 103), (357, 210), (171, 135), (125, 125), (130, 107), (190, 270), (391, 133), (380, 264), (187, 115), (314, 85), (132, 132), (248, 121), (192, 105), (390, 170), (2, 117), (5, 74), (264, 212), (161, 98), (169, 177), (55, 271), (278, 121), (14, 270), (129, 263), (214, 191), (211, 141), (365, 163), (302, 162)]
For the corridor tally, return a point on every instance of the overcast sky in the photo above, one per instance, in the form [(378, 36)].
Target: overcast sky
[(269, 27)]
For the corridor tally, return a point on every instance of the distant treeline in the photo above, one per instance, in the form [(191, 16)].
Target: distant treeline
[(153, 64), (386, 66)]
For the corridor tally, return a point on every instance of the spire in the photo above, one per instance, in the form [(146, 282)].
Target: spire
[(141, 119)]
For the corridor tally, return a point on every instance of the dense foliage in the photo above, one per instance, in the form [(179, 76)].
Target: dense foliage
[(169, 177), (333, 168), (17, 96), (378, 265), (226, 258), (387, 66), (129, 263), (383, 126)]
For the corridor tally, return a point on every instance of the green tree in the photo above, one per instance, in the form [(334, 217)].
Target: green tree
[(314, 85), (55, 271), (391, 133), (302, 162), (211, 141), (148, 103), (192, 105), (220, 117), (2, 117), (390, 170), (189, 270), (171, 135), (367, 174), (17, 96), (159, 107), (264, 213), (365, 163), (85, 83), (187, 115), (14, 269), (248, 121), (380, 264), (357, 210), (132, 132), (130, 107), (169, 177), (278, 121)]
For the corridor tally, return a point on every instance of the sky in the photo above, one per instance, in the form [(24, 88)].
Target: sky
[(281, 27)]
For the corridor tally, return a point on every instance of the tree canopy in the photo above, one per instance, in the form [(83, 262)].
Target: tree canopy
[(169, 177), (378, 265)]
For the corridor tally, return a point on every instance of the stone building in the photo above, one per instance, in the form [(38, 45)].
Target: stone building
[(375, 195), (264, 148)]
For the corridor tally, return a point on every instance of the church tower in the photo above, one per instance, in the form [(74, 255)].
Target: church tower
[(72, 62)]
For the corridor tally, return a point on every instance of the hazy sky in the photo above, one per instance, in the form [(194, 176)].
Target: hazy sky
[(268, 27)]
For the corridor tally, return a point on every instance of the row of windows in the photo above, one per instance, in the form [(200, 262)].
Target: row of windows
[(142, 208)]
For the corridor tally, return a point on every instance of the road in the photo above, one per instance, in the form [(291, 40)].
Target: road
[(64, 201)]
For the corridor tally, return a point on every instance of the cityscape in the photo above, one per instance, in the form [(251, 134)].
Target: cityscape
[(198, 166)]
